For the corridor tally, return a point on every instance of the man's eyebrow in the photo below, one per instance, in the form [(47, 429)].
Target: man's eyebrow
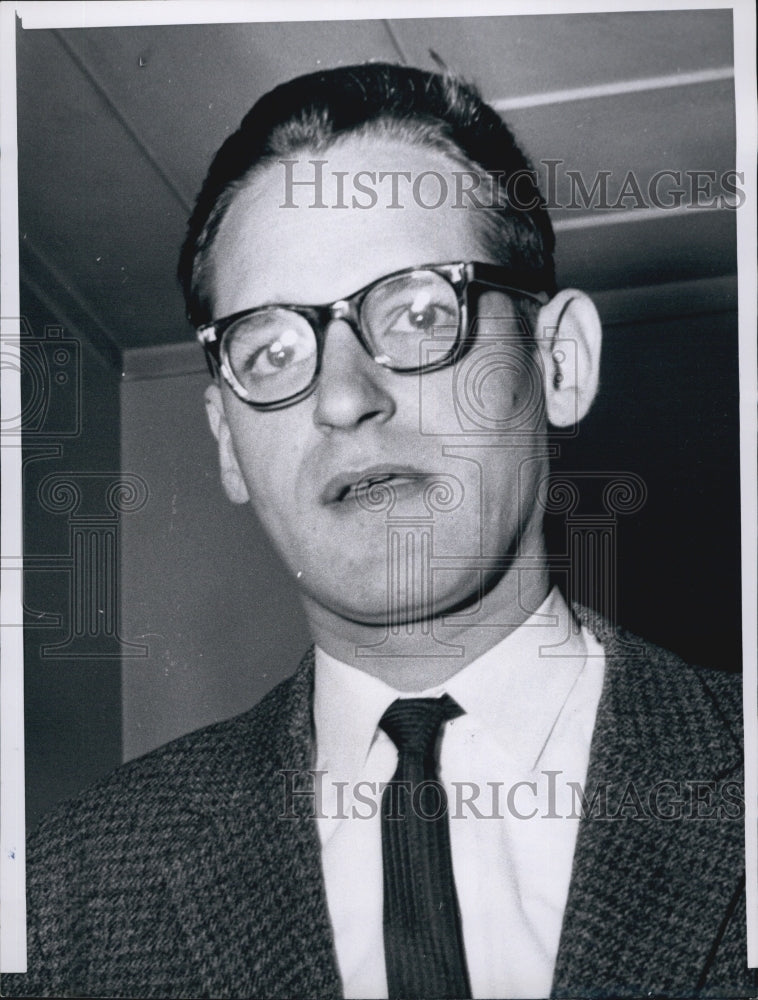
[(282, 301), (297, 303), (274, 300)]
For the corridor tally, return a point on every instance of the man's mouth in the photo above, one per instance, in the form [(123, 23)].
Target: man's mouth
[(369, 487)]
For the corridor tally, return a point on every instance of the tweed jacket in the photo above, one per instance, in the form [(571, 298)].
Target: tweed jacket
[(178, 876)]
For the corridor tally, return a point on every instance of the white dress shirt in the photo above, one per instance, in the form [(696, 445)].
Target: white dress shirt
[(530, 705)]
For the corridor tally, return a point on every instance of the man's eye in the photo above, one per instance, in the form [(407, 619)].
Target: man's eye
[(274, 357), (277, 354), (420, 317)]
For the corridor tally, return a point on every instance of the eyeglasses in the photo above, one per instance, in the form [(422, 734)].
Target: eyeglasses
[(271, 355)]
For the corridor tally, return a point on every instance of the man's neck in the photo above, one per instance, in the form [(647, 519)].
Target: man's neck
[(417, 655)]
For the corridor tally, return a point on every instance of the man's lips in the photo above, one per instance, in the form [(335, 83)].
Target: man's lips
[(357, 484)]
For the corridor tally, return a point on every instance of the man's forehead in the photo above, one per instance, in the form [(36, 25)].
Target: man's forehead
[(372, 173), (320, 225)]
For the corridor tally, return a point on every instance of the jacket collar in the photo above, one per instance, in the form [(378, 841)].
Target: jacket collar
[(648, 892)]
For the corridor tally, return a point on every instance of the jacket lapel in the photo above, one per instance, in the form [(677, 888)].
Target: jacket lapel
[(253, 902), (648, 891)]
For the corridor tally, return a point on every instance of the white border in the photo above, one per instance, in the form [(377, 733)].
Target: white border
[(12, 821), (96, 13), (106, 13), (747, 143)]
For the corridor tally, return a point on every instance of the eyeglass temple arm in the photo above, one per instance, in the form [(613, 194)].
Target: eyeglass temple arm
[(206, 336), (493, 276)]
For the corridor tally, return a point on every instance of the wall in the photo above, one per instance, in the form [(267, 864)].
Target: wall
[(199, 583), (668, 411), (71, 450)]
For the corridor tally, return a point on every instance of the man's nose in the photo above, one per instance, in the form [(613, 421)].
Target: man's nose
[(351, 387)]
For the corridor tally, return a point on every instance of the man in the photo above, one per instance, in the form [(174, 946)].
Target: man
[(468, 788)]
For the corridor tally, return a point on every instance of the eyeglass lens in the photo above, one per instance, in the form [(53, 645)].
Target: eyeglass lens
[(273, 353)]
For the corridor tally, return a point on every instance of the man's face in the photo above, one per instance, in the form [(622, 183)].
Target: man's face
[(475, 429)]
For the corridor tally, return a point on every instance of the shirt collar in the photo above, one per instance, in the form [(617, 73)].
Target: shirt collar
[(515, 692)]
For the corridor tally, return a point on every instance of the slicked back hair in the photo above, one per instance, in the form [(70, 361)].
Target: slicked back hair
[(377, 100)]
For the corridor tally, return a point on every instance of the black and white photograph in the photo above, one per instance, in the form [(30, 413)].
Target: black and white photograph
[(379, 514)]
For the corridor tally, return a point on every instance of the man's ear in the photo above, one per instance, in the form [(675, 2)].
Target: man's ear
[(231, 475), (568, 336)]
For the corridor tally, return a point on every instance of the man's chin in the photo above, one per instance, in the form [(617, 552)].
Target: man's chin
[(374, 612)]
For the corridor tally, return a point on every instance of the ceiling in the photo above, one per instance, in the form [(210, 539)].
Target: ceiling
[(117, 126)]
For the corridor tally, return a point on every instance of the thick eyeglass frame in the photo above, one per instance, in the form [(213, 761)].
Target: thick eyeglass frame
[(462, 276)]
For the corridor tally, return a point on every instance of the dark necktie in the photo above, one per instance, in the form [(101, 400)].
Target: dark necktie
[(423, 943)]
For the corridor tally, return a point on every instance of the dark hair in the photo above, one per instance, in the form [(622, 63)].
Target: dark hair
[(424, 109)]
